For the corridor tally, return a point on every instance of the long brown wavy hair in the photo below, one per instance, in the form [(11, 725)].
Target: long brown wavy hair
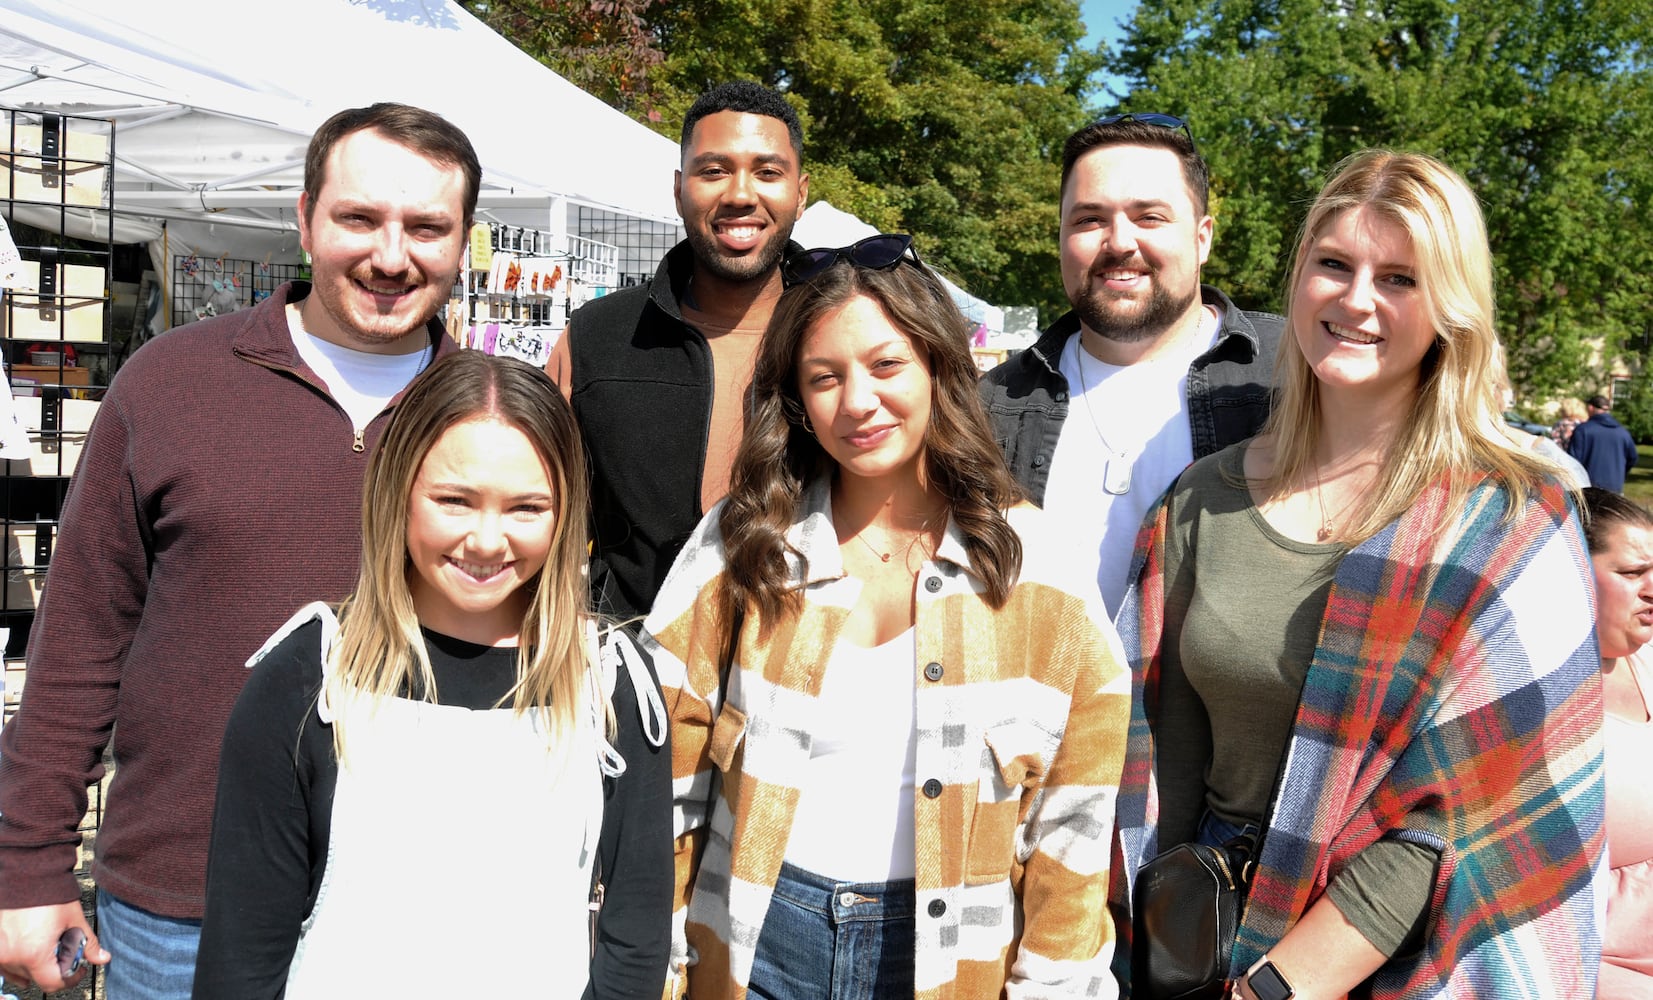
[(778, 456)]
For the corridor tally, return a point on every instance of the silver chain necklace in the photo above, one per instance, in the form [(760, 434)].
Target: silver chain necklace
[(1116, 467)]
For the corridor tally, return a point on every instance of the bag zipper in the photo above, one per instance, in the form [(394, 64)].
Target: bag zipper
[(1222, 866)]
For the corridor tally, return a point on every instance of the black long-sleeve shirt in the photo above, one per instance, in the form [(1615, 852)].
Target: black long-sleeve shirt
[(274, 809)]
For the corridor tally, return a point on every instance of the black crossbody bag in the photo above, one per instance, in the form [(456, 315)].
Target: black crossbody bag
[(1187, 905)]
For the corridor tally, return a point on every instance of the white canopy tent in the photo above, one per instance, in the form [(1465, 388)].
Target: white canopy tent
[(214, 105)]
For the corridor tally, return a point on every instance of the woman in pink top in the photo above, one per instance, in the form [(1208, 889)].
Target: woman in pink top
[(1621, 549)]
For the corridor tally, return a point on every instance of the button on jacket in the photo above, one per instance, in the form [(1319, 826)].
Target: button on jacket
[(1020, 734)]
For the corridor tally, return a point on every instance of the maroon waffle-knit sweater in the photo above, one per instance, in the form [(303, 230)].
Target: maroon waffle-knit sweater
[(219, 491)]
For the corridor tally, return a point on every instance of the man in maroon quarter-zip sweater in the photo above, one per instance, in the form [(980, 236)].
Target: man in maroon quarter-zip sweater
[(219, 490)]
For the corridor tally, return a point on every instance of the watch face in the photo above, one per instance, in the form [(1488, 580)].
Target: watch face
[(1267, 983)]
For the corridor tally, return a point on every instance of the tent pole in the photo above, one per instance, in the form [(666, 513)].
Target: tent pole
[(166, 278)]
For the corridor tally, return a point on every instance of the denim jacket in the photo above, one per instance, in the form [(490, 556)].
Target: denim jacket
[(1229, 391)]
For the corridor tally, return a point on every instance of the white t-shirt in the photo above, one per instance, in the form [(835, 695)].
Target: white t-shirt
[(360, 382), (1142, 411), (854, 821)]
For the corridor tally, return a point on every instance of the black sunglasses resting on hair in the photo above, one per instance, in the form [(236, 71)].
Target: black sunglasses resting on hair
[(876, 253), (1149, 118)]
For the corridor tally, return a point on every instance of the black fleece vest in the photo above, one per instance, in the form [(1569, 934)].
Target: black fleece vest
[(642, 393)]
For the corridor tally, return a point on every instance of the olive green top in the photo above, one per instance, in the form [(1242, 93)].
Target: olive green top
[(1242, 618)]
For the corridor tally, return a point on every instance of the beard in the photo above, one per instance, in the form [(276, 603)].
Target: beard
[(365, 327), (758, 264), (1128, 321)]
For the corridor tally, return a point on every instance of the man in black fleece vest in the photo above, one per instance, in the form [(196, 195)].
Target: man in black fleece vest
[(657, 374)]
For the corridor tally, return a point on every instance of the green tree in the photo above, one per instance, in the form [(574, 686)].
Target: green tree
[(1633, 407), (1547, 108), (604, 47), (924, 116)]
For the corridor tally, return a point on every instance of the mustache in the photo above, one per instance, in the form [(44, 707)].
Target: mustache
[(1103, 264), (372, 275)]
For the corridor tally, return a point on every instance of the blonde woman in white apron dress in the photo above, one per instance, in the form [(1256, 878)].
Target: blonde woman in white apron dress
[(431, 789)]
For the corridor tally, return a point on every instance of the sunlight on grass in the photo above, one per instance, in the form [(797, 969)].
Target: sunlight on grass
[(1638, 486)]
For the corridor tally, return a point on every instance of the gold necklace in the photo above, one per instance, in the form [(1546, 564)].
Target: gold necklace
[(1325, 532), (887, 556)]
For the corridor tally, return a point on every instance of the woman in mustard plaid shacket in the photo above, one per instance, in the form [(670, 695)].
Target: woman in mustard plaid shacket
[(897, 774)]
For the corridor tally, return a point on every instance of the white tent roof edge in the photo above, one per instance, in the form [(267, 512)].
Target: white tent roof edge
[(247, 119)]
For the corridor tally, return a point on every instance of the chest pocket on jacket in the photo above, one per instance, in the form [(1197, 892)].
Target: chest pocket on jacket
[(728, 733), (1013, 766)]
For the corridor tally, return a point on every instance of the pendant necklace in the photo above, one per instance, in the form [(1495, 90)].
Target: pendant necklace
[(886, 556), (1325, 532), (1116, 467)]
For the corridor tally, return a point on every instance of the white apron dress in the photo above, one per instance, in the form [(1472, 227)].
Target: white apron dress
[(460, 855)]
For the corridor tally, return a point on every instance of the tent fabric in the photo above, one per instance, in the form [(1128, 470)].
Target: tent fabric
[(225, 98), (214, 107)]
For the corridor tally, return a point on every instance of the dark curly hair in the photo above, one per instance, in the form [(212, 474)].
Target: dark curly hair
[(748, 98), (778, 456)]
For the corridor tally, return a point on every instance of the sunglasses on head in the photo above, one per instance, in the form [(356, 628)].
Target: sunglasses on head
[(1149, 118), (876, 253)]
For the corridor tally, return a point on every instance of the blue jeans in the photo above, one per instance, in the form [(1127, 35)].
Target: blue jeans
[(151, 957), (826, 940), (1215, 831)]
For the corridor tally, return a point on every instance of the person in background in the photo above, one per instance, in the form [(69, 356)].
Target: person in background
[(1151, 369), (1603, 446), (1620, 534), (1576, 476), (379, 757), (657, 374), (897, 710), (1337, 629), (1573, 413), (1540, 444), (219, 489)]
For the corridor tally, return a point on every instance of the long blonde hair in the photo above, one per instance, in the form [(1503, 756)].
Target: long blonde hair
[(1454, 426), (380, 652)]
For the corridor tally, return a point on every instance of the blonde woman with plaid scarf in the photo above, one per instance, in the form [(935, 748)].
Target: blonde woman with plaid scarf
[(1365, 636)]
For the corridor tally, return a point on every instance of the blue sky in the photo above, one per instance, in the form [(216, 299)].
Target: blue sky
[(1101, 19)]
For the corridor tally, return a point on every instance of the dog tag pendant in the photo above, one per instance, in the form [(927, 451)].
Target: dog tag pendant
[(1116, 475)]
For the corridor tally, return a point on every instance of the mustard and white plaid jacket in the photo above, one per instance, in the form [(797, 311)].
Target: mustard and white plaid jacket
[(1021, 716)]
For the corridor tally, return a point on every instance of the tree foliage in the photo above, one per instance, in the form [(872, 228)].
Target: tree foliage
[(945, 120), (924, 116), (1546, 107), (604, 47)]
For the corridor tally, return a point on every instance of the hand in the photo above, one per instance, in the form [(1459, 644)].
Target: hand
[(28, 945)]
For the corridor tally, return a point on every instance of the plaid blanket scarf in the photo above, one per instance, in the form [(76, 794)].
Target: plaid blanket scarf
[(1454, 699)]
